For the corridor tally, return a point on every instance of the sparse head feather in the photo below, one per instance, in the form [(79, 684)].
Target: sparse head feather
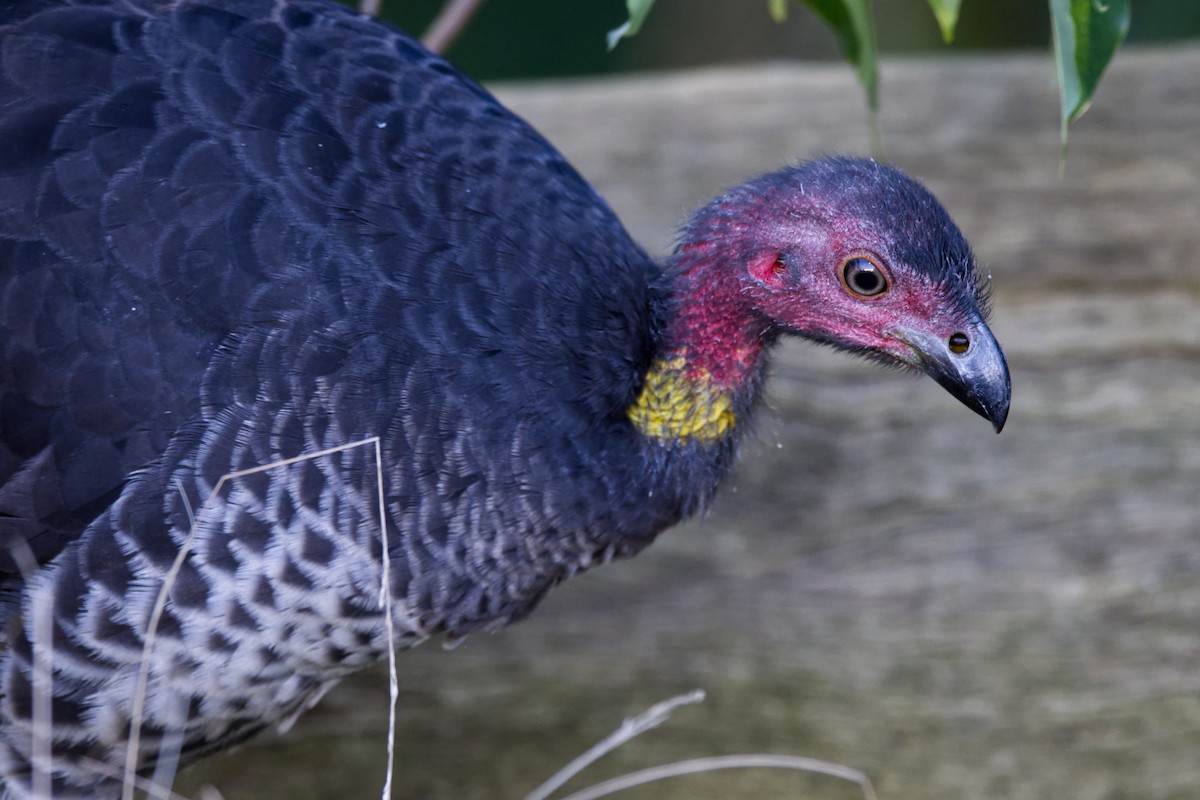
[(922, 232), (850, 193)]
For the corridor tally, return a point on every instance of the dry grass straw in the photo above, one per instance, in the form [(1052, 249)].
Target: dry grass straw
[(41, 681), (159, 786), (165, 776), (652, 718)]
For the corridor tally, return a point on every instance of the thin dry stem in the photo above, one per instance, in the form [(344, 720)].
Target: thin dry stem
[(445, 29), (750, 760), (166, 764), (652, 718), (139, 697), (630, 728), (41, 745), (385, 599), (145, 784)]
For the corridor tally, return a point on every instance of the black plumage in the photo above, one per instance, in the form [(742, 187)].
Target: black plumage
[(234, 232)]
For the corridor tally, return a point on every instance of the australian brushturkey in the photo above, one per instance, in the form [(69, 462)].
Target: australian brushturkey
[(234, 232)]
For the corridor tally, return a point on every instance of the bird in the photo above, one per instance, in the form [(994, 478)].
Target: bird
[(310, 349)]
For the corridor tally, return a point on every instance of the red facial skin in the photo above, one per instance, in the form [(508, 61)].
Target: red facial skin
[(783, 271)]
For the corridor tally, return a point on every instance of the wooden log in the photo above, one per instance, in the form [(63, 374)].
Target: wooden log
[(884, 583)]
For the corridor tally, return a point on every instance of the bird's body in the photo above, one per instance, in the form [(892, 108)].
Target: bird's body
[(236, 232)]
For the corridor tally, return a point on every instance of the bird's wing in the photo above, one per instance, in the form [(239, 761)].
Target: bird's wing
[(98, 366), (174, 177)]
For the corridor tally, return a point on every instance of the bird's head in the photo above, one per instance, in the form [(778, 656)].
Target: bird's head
[(859, 256)]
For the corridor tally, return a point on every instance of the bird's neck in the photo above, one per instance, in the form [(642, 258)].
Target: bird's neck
[(706, 367)]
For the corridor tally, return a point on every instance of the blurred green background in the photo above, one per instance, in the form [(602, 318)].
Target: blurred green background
[(542, 38)]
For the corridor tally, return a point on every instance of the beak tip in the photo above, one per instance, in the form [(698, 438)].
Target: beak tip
[(995, 412), (1000, 413)]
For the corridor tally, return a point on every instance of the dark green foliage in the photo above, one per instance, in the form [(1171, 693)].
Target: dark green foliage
[(1086, 35)]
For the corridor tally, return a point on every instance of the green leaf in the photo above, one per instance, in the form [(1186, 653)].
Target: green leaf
[(851, 21), (1086, 34), (638, 9), (946, 13), (778, 9)]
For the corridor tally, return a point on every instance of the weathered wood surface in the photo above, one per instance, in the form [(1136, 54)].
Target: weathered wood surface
[(885, 583)]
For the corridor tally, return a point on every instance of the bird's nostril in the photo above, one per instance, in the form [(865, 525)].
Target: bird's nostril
[(959, 343)]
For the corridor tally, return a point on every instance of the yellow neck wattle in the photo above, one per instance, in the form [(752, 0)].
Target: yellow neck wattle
[(678, 404)]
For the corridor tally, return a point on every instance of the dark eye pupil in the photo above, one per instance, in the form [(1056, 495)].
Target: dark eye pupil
[(864, 278)]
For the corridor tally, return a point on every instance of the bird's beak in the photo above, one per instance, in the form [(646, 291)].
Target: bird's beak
[(977, 376)]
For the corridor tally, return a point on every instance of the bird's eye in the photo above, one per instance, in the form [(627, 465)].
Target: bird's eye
[(864, 278)]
